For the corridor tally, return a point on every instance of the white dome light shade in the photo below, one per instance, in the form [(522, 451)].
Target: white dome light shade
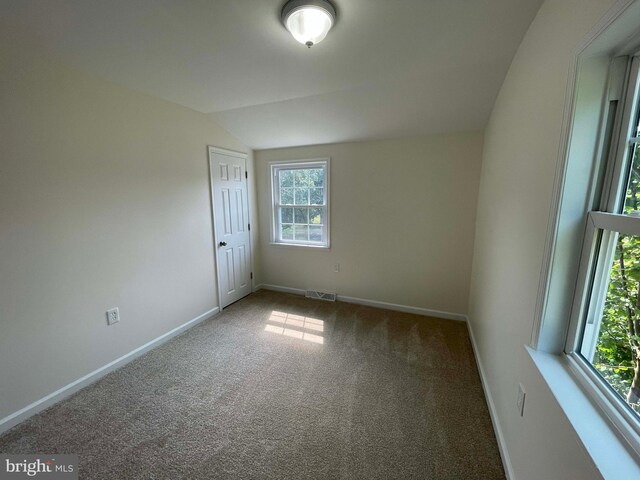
[(310, 21), (309, 25)]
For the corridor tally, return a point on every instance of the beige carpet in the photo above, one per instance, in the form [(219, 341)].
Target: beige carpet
[(277, 387)]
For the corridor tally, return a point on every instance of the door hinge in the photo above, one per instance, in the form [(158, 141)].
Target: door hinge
[(249, 227), (246, 174), (251, 275)]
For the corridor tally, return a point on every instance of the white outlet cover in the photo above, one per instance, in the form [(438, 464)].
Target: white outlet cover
[(113, 316)]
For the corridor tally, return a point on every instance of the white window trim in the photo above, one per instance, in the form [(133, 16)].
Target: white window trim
[(593, 277), (553, 333), (324, 162)]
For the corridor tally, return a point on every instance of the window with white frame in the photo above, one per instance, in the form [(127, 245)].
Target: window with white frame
[(300, 196), (604, 337)]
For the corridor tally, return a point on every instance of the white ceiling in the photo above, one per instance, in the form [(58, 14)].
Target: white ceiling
[(389, 68)]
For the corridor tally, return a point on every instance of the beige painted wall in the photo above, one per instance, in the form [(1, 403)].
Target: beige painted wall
[(402, 221), (520, 155), (104, 202)]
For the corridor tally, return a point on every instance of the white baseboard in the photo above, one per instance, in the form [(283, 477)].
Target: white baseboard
[(502, 444), (374, 303), (277, 288), (21, 415)]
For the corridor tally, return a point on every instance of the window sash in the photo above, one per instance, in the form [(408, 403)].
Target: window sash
[(593, 281), (280, 223), (621, 150)]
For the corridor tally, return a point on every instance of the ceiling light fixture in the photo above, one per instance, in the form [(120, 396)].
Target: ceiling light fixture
[(309, 21)]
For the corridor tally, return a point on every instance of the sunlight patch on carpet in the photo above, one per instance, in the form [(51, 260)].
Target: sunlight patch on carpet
[(296, 326)]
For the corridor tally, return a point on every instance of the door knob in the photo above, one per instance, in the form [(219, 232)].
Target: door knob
[(223, 244)]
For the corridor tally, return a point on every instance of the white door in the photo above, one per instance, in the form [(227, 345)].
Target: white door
[(230, 224)]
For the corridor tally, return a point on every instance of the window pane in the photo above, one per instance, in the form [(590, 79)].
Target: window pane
[(286, 178), (302, 196), (286, 215), (287, 232), (301, 215), (315, 233), (632, 199), (286, 196), (301, 232), (316, 176), (302, 178), (316, 196), (316, 216), (612, 344)]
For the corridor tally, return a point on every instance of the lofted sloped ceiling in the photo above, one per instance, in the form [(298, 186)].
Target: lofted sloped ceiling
[(389, 68)]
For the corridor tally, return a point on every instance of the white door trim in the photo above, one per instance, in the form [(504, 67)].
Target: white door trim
[(232, 153), (224, 151)]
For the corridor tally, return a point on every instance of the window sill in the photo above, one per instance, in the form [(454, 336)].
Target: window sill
[(610, 454), (301, 245)]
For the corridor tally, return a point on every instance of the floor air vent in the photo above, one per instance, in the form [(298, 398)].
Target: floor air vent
[(329, 297)]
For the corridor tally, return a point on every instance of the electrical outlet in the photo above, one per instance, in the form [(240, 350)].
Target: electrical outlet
[(521, 397), (113, 316), (336, 267)]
